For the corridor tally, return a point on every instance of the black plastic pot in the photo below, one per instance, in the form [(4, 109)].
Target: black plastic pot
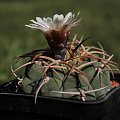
[(22, 107)]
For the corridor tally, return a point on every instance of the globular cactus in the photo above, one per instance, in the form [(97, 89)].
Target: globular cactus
[(66, 69)]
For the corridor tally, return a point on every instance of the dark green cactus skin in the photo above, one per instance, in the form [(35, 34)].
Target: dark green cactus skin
[(92, 77)]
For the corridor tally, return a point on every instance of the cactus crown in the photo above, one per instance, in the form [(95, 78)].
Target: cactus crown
[(66, 69)]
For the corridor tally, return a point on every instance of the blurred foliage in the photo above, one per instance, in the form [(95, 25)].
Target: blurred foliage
[(100, 18)]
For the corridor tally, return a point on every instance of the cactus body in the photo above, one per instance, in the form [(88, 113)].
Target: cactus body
[(82, 72), (66, 69)]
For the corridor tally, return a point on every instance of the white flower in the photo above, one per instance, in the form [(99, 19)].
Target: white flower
[(56, 30), (58, 23)]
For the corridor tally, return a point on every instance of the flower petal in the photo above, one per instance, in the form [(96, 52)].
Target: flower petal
[(68, 18), (61, 18), (41, 21), (44, 20), (56, 19), (34, 26), (49, 22), (76, 23), (37, 23)]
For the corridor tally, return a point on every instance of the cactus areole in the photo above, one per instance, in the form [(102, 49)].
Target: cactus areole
[(67, 69)]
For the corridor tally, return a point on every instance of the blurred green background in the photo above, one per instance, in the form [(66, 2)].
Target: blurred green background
[(100, 18)]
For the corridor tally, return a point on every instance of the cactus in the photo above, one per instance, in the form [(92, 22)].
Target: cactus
[(66, 69)]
